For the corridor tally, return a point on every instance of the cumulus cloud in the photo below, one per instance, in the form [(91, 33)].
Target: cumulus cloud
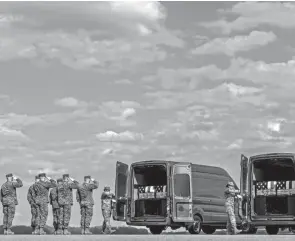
[(253, 14), (120, 111), (123, 82), (111, 136), (128, 112), (235, 145), (48, 171), (230, 46), (70, 102), (8, 132)]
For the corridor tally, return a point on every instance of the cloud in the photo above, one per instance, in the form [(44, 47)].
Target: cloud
[(48, 171), (88, 38), (123, 82), (128, 112), (70, 102), (120, 112), (274, 126), (111, 136), (11, 133), (254, 14), (107, 151), (230, 46), (235, 145)]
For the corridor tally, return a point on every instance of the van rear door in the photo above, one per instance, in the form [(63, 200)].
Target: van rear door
[(121, 191), (244, 188), (182, 193)]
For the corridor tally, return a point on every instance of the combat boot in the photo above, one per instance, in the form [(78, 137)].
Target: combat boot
[(59, 232), (36, 231), (5, 231), (87, 231), (9, 232), (67, 232), (33, 230), (82, 231), (42, 232)]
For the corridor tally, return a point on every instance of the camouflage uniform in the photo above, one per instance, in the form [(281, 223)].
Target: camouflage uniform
[(106, 209), (55, 207), (85, 198), (42, 189), (229, 194), (65, 201), (31, 197), (9, 201)]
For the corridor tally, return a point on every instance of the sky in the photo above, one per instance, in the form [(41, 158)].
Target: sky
[(84, 85)]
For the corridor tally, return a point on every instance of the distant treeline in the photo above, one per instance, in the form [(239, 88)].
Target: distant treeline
[(74, 230)]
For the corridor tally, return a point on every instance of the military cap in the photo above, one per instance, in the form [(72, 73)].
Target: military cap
[(65, 175), (59, 180), (107, 188), (230, 184), (42, 175), (9, 175), (37, 177), (87, 177)]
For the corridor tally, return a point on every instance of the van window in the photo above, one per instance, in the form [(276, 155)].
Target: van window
[(182, 185), (121, 189), (209, 187)]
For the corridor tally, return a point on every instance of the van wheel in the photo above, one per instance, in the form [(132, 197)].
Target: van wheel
[(156, 229), (272, 230), (195, 228), (208, 229)]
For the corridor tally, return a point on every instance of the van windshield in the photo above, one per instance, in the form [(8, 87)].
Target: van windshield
[(182, 185)]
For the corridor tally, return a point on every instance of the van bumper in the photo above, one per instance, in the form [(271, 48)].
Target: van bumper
[(273, 222), (149, 222)]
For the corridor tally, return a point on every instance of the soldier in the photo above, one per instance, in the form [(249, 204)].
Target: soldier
[(9, 201), (31, 197), (42, 189), (85, 198), (55, 207), (65, 201), (107, 200), (230, 194)]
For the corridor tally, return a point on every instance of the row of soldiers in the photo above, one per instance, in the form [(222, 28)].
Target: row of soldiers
[(59, 194)]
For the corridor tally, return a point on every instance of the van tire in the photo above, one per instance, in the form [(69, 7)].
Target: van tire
[(271, 230), (196, 227), (156, 229), (208, 229)]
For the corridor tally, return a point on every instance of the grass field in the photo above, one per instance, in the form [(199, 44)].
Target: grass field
[(147, 237)]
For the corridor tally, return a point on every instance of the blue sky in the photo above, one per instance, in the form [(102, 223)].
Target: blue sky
[(84, 85)]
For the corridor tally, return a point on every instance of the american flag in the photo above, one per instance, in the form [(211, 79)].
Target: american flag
[(141, 189), (161, 191), (271, 188), (282, 188), (261, 188), (291, 186)]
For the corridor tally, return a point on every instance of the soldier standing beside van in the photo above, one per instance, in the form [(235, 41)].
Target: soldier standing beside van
[(31, 197), (9, 201), (107, 200), (230, 194)]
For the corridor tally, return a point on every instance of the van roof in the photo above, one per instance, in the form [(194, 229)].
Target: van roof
[(275, 154), (197, 167)]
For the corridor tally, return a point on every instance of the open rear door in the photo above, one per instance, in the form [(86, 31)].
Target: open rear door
[(244, 188), (182, 193), (121, 191)]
